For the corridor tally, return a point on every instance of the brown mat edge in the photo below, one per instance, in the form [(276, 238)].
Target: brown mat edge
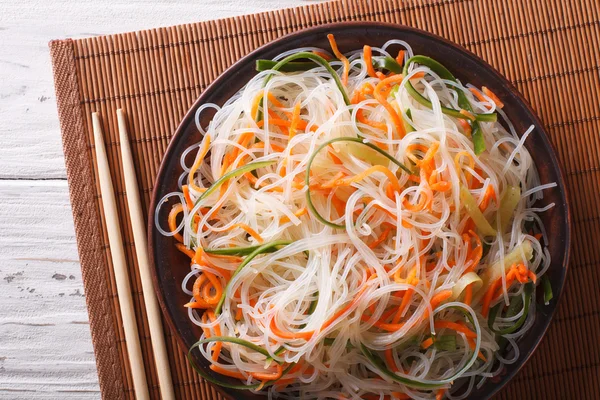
[(86, 220)]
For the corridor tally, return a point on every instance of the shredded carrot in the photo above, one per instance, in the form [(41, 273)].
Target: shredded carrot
[(381, 238), (300, 212), (255, 104), (466, 127), (455, 326), (290, 335), (538, 236), (421, 204), (295, 121), (425, 344), (340, 57), (322, 54), (479, 96), (186, 194), (418, 75), (355, 301), (440, 394), (489, 295), (389, 358), (196, 291), (492, 96), (197, 163), (335, 158), (381, 92), (472, 346), (468, 295), (248, 230), (375, 168), (468, 114), (218, 345), (367, 53), (269, 376), (488, 195), (400, 57), (188, 252), (227, 372), (177, 208)]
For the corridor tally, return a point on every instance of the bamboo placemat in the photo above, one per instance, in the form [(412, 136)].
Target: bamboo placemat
[(548, 48)]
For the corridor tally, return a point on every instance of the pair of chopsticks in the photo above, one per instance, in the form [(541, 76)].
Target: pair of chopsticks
[(132, 339)]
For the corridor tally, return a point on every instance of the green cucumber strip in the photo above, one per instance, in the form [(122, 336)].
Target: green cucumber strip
[(511, 329), (463, 102)]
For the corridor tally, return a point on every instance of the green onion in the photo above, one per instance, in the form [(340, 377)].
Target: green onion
[(311, 206), (232, 174), (236, 251), (215, 381), (265, 248), (548, 295), (425, 384), (387, 63), (317, 59), (478, 218), (528, 292), (463, 102)]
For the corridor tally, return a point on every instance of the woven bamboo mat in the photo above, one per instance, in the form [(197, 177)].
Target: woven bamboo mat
[(550, 49)]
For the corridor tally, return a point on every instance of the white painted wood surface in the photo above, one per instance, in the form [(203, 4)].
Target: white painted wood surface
[(45, 344)]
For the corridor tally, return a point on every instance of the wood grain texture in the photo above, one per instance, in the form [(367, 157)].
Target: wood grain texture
[(45, 345)]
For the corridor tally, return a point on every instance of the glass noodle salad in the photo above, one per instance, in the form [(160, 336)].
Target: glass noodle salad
[(360, 226)]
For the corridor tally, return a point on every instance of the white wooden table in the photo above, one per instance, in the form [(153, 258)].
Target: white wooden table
[(45, 345)]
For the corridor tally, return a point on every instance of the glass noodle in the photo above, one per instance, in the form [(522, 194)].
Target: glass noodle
[(370, 282)]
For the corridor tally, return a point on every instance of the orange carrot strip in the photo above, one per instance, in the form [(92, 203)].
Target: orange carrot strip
[(322, 54), (400, 57), (177, 208), (389, 359), (440, 394), (197, 163), (248, 230), (492, 96), (295, 120), (218, 345), (367, 53), (375, 168), (427, 343), (381, 92), (381, 238), (255, 104), (468, 114), (290, 335), (455, 326), (477, 94), (300, 212), (355, 301), (472, 346), (227, 372), (340, 57), (269, 376), (188, 252), (186, 194)]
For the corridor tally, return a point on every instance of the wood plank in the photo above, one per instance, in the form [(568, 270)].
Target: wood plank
[(29, 131), (45, 344)]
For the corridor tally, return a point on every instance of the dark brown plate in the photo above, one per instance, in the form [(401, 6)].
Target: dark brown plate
[(170, 266)]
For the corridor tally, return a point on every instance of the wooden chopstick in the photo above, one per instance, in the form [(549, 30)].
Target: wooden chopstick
[(115, 241), (141, 249)]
